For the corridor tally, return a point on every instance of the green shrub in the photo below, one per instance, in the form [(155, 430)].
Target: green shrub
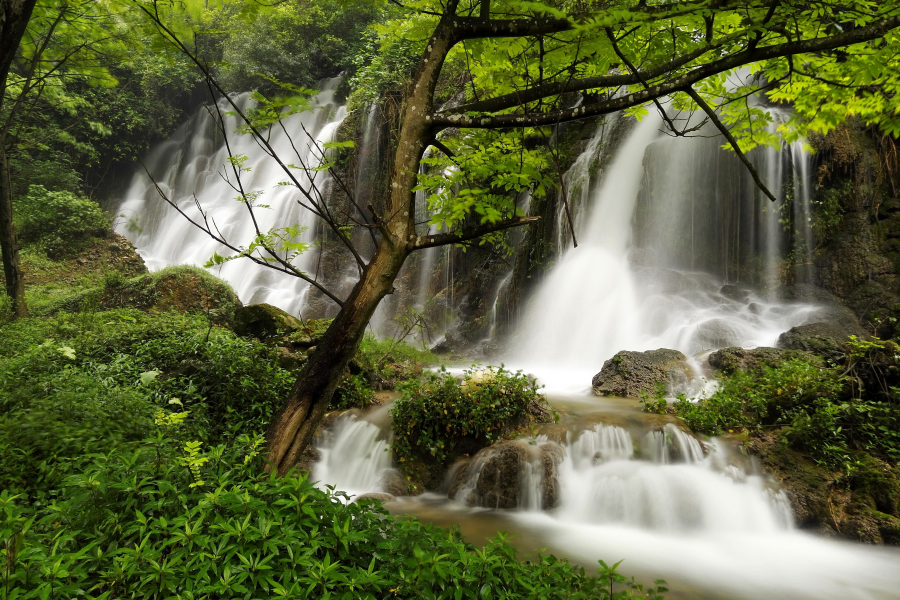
[(58, 222), (436, 414), (169, 519), (231, 384), (388, 362), (352, 392), (812, 404), (764, 396)]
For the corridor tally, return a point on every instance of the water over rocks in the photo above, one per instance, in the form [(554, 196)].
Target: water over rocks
[(635, 374)]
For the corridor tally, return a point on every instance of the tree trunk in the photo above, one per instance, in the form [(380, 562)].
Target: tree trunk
[(14, 17), (12, 269), (294, 424)]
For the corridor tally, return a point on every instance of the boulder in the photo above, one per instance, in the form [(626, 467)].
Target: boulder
[(822, 339), (734, 293), (264, 321), (494, 478), (393, 483), (633, 374), (729, 360)]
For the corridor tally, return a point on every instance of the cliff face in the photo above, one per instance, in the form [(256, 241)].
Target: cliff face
[(856, 219)]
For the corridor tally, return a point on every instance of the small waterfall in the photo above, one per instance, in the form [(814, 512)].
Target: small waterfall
[(355, 457), (673, 487), (194, 163)]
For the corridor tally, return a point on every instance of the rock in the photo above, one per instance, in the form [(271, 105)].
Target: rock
[(632, 374), (377, 496), (729, 360), (264, 321), (494, 478), (822, 339), (309, 333), (831, 310), (734, 293), (715, 333), (288, 360), (393, 483), (491, 479), (555, 432)]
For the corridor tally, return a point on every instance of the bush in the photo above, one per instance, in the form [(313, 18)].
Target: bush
[(813, 404), (231, 384), (58, 222), (437, 419), (388, 362), (168, 519)]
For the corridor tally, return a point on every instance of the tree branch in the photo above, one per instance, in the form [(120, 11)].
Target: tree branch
[(863, 34), (420, 242), (734, 144)]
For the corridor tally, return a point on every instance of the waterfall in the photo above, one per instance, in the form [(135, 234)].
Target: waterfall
[(355, 457), (194, 163), (665, 225)]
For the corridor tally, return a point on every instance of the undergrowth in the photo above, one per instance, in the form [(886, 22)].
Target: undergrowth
[(824, 411)]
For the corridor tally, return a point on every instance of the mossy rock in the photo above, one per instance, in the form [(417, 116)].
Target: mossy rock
[(635, 374), (729, 360), (264, 321), (309, 333), (180, 288)]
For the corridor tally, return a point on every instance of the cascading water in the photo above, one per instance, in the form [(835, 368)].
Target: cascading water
[(194, 163), (657, 241)]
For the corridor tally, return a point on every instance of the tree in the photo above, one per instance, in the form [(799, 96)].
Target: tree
[(14, 17), (524, 65), (57, 43)]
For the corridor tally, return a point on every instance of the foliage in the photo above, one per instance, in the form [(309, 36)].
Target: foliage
[(387, 362), (352, 392), (167, 518), (436, 412), (298, 42), (813, 404), (229, 383), (59, 223)]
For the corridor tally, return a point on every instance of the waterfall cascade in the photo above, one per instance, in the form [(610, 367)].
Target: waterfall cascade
[(194, 164), (660, 231)]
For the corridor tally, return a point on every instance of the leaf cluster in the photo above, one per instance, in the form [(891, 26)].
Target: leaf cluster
[(58, 223)]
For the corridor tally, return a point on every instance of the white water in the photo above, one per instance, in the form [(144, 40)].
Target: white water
[(355, 457), (606, 295), (192, 164)]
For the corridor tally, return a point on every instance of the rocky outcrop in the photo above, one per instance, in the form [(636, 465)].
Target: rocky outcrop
[(863, 507), (500, 475), (374, 496), (729, 360), (264, 321), (634, 374), (822, 339)]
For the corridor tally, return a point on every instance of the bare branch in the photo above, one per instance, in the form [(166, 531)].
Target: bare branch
[(442, 239), (734, 144)]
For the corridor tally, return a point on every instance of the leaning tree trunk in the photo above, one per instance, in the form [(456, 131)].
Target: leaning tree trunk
[(294, 424)]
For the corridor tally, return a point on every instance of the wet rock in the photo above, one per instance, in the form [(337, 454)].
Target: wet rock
[(715, 333), (554, 432), (734, 293), (494, 478), (377, 496), (309, 333), (491, 479), (632, 374), (264, 321), (551, 455), (822, 339), (394, 484), (729, 360), (831, 310)]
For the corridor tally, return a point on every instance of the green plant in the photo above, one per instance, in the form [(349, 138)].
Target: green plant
[(165, 518), (353, 392), (58, 222), (655, 403), (436, 413)]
